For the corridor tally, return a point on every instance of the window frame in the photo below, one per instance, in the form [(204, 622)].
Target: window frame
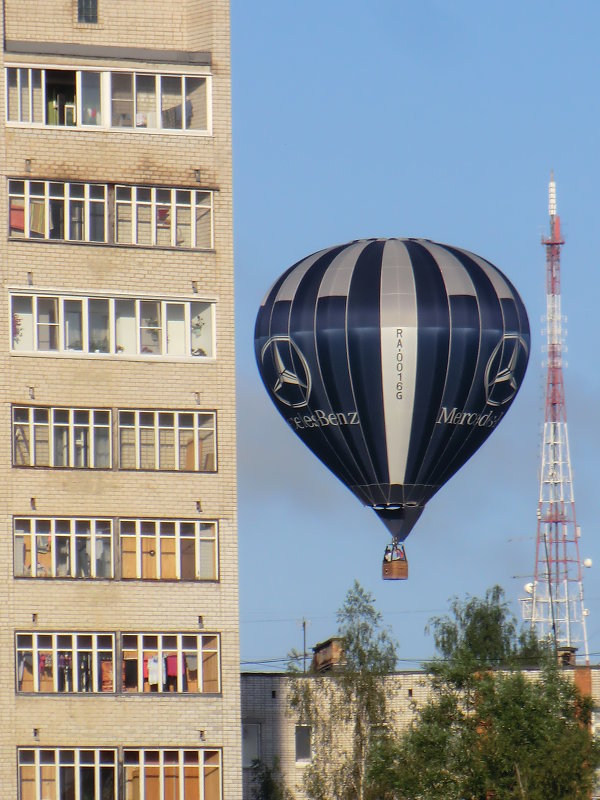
[(150, 762), (136, 201), (63, 657), (141, 539), (75, 118), (46, 198), (140, 643), (147, 442), (54, 535), (32, 757), (197, 314), (87, 12), (298, 744), (74, 448), (256, 742)]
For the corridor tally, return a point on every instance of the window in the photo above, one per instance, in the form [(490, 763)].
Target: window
[(136, 101), (111, 326), (61, 437), (73, 773), (172, 773), (303, 743), (168, 549), (65, 662), (167, 440), (72, 212), (163, 217), (250, 743), (87, 11), (171, 662), (62, 548)]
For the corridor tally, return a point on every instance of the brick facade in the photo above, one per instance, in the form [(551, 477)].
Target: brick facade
[(35, 30)]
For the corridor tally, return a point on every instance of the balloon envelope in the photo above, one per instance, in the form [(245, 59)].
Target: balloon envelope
[(393, 360)]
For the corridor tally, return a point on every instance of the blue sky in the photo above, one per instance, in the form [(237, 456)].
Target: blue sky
[(434, 119)]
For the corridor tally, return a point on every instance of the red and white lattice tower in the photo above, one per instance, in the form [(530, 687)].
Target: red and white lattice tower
[(555, 604)]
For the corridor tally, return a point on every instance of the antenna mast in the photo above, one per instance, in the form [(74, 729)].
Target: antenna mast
[(555, 604)]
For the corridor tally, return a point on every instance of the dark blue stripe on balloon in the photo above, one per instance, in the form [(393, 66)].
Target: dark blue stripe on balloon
[(462, 360), (432, 353), (364, 354)]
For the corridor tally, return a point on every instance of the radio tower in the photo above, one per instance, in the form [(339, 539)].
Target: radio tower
[(555, 603)]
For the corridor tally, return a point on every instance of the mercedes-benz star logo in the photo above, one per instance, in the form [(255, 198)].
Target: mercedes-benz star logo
[(286, 371), (506, 362)]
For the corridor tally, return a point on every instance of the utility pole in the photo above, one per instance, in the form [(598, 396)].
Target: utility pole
[(554, 604)]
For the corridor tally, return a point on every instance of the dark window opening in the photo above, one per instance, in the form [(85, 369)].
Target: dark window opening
[(87, 11)]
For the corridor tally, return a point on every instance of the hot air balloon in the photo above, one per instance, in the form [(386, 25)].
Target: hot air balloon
[(393, 360)]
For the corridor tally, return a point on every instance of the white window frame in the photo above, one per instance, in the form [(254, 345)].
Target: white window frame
[(134, 204), (46, 197), (139, 424), (105, 99), (83, 757), (74, 449), (61, 528), (201, 534), (56, 651), (193, 309), (139, 759), (137, 642)]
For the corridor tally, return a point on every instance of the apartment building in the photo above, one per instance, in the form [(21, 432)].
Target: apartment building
[(119, 656), (275, 735)]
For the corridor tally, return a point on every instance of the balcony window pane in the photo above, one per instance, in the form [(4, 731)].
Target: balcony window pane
[(73, 325), (47, 323), (144, 225), (91, 100), (38, 107), (101, 447), (145, 97), (208, 569), (98, 326), (42, 445), (123, 227), (37, 217), (176, 329), (13, 113), (187, 554), (17, 217), (203, 221), (97, 222), (22, 323), (150, 327), (126, 329), (122, 99), (103, 558), (171, 96), (196, 104), (167, 448), (76, 221), (201, 329), (163, 224), (83, 557), (183, 226), (82, 447)]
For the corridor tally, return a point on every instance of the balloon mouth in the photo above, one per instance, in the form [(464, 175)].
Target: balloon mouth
[(399, 519)]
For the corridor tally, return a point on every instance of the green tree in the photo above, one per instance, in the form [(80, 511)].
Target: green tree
[(491, 729), (347, 708), (268, 783)]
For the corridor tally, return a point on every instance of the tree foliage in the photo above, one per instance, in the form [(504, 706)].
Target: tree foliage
[(490, 728), (268, 783), (347, 709)]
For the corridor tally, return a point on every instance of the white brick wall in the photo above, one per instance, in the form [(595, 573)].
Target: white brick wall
[(124, 157)]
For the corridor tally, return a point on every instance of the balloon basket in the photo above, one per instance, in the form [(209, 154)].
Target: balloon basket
[(395, 564)]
